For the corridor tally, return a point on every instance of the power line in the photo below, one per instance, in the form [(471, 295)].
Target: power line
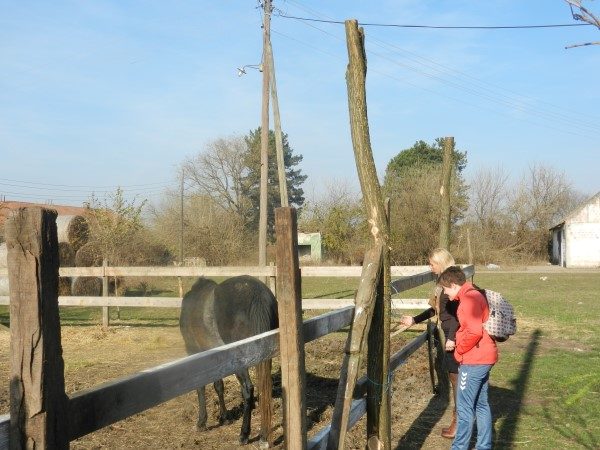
[(75, 187), (467, 86), (438, 27)]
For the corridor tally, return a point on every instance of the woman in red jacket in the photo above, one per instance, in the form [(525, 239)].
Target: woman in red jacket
[(476, 352)]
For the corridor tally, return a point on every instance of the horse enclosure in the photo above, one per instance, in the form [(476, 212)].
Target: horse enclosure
[(54, 419)]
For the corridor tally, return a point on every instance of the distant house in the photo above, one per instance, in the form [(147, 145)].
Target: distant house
[(576, 239)]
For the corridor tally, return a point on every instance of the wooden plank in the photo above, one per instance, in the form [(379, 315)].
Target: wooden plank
[(291, 341), (175, 302), (356, 341), (307, 271), (38, 403), (110, 402), (171, 271)]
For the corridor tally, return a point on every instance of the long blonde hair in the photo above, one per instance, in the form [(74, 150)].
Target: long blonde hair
[(442, 257)]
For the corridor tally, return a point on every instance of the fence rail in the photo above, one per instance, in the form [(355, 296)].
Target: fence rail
[(420, 275), (230, 271)]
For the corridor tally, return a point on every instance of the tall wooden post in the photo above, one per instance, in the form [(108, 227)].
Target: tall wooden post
[(378, 404), (264, 140), (291, 339), (445, 193), (38, 403)]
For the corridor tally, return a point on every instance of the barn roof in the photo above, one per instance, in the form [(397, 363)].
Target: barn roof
[(576, 210)]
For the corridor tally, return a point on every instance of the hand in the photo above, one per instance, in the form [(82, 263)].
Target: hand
[(450, 345), (407, 321)]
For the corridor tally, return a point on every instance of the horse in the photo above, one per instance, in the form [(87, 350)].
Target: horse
[(216, 314)]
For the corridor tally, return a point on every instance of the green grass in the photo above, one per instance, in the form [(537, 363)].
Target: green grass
[(545, 390)]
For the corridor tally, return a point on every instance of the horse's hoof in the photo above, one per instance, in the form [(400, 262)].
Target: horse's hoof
[(243, 440), (201, 427)]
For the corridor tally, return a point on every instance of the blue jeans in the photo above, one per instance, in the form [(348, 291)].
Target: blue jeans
[(471, 403)]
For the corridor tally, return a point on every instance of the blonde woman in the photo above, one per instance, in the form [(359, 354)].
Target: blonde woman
[(439, 260)]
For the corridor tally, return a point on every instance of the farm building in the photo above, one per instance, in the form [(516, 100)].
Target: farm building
[(576, 239), (309, 246)]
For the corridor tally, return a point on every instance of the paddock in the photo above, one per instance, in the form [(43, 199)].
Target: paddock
[(105, 405)]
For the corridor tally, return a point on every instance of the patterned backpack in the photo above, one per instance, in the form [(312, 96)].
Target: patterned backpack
[(502, 323)]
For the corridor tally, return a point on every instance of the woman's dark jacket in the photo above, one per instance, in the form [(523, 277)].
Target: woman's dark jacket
[(449, 322)]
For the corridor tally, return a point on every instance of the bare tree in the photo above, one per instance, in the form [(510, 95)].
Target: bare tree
[(581, 13), (339, 216), (488, 195), (218, 171)]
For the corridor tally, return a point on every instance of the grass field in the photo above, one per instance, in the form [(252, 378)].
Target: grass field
[(546, 387)]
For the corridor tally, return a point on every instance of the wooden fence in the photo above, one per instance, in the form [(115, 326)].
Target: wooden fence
[(61, 419), (270, 272), (99, 407)]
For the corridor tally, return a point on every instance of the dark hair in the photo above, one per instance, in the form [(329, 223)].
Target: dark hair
[(452, 275)]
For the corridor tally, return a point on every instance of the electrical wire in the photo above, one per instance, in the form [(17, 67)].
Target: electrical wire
[(479, 91), (438, 27)]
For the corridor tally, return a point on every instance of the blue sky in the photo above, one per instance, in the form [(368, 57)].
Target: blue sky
[(99, 94)]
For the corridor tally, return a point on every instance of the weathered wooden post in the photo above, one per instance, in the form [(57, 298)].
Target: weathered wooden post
[(445, 192), (363, 313), (291, 339), (38, 403), (378, 404), (105, 310)]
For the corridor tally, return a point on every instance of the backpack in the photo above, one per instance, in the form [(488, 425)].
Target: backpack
[(501, 323)]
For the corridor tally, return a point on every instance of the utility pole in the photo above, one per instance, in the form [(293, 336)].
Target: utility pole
[(264, 139), (283, 194), (181, 222), (179, 280)]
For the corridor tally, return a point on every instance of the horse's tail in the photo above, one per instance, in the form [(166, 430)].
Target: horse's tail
[(263, 314)]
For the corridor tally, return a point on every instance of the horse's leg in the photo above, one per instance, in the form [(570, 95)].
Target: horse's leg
[(248, 396), (201, 425), (220, 390)]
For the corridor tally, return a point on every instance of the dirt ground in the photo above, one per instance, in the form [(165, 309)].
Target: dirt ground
[(93, 356)]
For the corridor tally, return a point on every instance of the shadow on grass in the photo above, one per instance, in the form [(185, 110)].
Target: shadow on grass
[(507, 404), (504, 403)]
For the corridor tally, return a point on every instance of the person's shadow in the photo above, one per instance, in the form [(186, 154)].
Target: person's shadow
[(505, 404)]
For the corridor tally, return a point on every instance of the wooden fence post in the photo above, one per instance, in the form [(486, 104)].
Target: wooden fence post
[(445, 193), (105, 310), (291, 347), (361, 322), (38, 403), (273, 281), (378, 399)]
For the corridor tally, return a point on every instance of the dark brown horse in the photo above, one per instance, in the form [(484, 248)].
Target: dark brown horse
[(216, 314)]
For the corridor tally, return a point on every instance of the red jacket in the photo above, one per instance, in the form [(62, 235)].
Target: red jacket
[(473, 344)]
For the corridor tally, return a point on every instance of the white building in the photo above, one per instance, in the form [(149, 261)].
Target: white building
[(576, 239)]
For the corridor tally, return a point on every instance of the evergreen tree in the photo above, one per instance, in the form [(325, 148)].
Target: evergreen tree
[(251, 182)]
